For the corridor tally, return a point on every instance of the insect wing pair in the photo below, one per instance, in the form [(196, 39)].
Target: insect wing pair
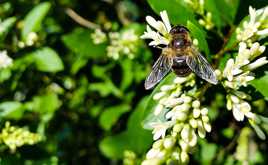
[(194, 60)]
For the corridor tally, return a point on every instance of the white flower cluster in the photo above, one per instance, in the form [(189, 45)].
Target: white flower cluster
[(161, 35), (5, 60), (123, 43), (185, 120), (237, 71), (30, 40), (15, 137), (255, 27), (98, 36)]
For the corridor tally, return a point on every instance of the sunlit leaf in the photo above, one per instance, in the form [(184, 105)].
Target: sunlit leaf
[(11, 110), (208, 152), (47, 103), (33, 20), (79, 41), (177, 11), (135, 138), (260, 85), (6, 25), (47, 60)]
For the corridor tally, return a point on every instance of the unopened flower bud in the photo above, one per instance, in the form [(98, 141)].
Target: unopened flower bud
[(192, 138), (169, 142), (178, 127), (207, 127), (165, 88), (184, 157), (185, 133), (201, 130), (159, 95), (204, 111), (158, 144), (196, 104), (196, 113), (193, 123), (158, 109), (205, 119), (184, 145)]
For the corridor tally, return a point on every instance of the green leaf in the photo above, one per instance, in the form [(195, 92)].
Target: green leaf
[(210, 6), (111, 115), (79, 41), (135, 138), (106, 88), (6, 25), (33, 20), (208, 152), (140, 139), (113, 147), (227, 9), (11, 110), (260, 85), (148, 115), (228, 133), (127, 73), (200, 35), (47, 60), (47, 103), (177, 11)]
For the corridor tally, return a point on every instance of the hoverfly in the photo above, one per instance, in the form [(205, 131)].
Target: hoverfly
[(182, 57)]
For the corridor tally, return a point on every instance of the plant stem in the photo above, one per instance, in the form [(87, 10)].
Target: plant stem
[(80, 20)]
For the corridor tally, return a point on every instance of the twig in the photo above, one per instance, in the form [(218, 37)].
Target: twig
[(80, 20), (223, 50)]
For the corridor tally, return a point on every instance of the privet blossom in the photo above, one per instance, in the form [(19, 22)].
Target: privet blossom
[(5, 60), (185, 121), (238, 70), (123, 43)]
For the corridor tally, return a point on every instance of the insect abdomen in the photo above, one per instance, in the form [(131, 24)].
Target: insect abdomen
[(180, 67)]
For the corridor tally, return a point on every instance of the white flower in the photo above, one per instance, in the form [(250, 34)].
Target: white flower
[(165, 19), (250, 27), (256, 25), (241, 110), (5, 60), (258, 63), (230, 70), (31, 39), (159, 129), (98, 36), (161, 35), (152, 153), (123, 43)]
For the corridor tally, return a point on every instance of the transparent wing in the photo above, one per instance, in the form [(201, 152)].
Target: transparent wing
[(161, 67), (201, 67)]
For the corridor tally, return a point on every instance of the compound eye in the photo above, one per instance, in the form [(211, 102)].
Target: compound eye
[(182, 30)]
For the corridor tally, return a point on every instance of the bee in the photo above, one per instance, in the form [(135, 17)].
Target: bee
[(182, 57)]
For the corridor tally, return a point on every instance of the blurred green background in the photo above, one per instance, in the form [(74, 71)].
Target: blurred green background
[(74, 95)]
